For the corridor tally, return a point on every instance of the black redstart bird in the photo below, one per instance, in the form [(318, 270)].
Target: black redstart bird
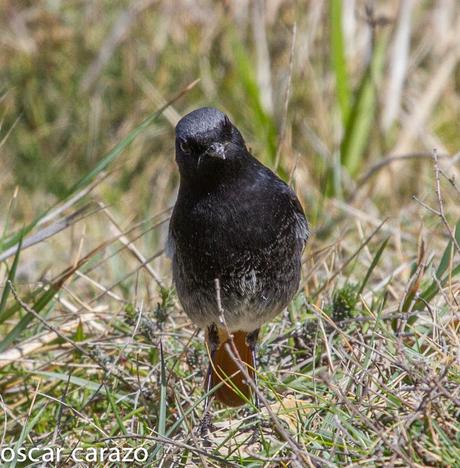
[(237, 233)]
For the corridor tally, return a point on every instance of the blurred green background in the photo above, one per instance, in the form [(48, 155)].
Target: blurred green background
[(366, 80)]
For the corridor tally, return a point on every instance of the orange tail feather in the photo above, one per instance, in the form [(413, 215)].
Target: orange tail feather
[(224, 369)]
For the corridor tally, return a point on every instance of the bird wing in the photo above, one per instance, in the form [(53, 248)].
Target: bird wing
[(302, 228), (170, 247)]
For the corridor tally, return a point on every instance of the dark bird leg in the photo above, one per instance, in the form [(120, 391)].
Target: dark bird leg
[(213, 343), (206, 418), (251, 340)]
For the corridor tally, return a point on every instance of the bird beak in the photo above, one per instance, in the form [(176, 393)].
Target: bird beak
[(216, 150)]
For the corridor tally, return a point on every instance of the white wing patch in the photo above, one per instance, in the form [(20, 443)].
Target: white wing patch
[(302, 231), (170, 247)]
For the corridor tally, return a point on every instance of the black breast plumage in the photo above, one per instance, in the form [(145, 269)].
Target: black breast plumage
[(248, 232)]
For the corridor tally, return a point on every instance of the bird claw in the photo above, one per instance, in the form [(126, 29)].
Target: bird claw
[(205, 426)]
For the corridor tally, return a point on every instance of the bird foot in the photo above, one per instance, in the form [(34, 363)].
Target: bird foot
[(204, 428)]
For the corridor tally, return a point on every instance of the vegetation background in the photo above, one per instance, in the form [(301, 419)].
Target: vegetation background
[(355, 103)]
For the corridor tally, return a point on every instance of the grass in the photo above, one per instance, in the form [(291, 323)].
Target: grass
[(363, 367)]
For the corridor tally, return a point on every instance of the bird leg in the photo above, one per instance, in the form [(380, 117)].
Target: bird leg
[(251, 340), (213, 343)]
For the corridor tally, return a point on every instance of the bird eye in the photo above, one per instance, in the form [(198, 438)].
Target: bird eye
[(184, 146)]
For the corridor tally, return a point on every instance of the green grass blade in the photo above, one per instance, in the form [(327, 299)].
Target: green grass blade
[(161, 428), (339, 60), (10, 278), (163, 402), (430, 291), (447, 255), (362, 113), (263, 123), (15, 307), (114, 152), (41, 303), (79, 334), (375, 260), (25, 432), (78, 381), (114, 407), (8, 215)]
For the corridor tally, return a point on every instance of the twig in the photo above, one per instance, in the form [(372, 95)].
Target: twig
[(385, 161), (451, 180), (51, 230), (57, 429), (5, 421), (440, 202), (426, 206), (130, 246)]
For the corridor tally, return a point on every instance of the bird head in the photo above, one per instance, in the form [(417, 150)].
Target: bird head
[(207, 144)]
